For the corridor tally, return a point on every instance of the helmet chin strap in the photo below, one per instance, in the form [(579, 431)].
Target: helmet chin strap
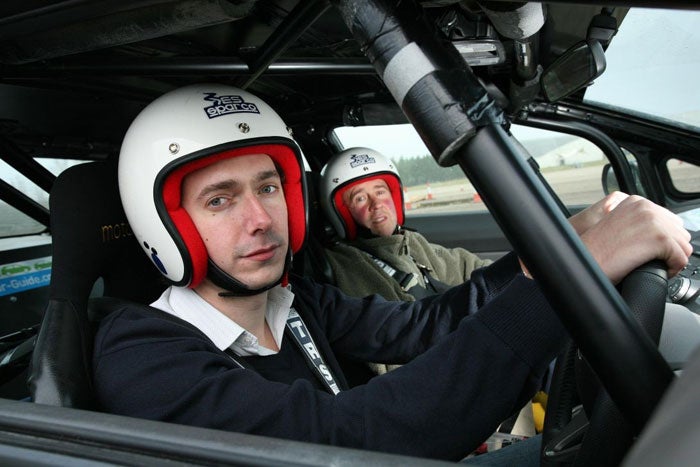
[(236, 288)]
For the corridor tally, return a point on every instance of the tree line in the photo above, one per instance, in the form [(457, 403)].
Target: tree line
[(421, 169)]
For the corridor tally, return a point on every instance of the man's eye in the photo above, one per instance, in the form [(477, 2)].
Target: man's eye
[(267, 189), (215, 202), (359, 199)]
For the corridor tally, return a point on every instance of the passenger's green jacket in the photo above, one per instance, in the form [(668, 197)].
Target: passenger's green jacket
[(358, 275)]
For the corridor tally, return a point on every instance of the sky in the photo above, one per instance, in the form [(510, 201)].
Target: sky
[(653, 66), (656, 76)]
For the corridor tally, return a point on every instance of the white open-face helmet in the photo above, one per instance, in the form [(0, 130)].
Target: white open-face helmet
[(348, 168), (185, 130)]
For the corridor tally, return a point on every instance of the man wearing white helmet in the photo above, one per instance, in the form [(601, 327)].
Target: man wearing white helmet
[(213, 188), (362, 196)]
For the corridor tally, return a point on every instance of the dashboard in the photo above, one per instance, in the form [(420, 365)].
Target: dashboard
[(684, 289)]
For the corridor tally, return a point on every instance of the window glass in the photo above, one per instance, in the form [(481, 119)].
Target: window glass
[(611, 182), (685, 176), (636, 174), (663, 86), (427, 186), (56, 166), (572, 165), (12, 221)]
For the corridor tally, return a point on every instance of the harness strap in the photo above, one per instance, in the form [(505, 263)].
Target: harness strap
[(430, 282), (408, 280), (302, 338), (299, 334)]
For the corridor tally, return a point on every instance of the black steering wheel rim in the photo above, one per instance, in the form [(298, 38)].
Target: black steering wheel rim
[(608, 433)]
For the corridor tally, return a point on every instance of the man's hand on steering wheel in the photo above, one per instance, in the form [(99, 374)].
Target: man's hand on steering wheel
[(635, 232)]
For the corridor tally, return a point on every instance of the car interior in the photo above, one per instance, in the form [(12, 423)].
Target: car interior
[(86, 211), (467, 78)]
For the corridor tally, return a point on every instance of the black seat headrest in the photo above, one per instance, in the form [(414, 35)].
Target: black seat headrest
[(92, 239)]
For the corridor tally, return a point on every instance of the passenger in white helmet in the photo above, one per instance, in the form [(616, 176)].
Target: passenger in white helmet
[(211, 180), (361, 195)]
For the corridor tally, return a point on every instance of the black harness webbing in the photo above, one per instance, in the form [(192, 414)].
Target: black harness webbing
[(299, 335), (408, 281), (405, 279), (302, 338)]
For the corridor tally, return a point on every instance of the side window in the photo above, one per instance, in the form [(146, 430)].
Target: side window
[(572, 165), (610, 182), (685, 176), (12, 221), (427, 186)]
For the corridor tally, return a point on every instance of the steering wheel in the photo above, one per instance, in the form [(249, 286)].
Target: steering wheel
[(598, 434)]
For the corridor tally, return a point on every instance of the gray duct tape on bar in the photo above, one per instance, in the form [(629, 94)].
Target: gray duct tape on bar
[(405, 69)]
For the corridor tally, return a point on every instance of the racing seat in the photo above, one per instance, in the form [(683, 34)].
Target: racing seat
[(313, 262), (91, 240)]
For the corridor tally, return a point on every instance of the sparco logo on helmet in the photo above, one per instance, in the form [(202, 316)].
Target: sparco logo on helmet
[(361, 159), (224, 105)]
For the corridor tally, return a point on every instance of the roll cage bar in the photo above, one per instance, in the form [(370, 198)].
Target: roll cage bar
[(470, 134), (460, 123)]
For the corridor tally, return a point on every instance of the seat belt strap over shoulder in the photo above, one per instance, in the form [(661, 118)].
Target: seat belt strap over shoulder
[(302, 338), (405, 280), (306, 344), (408, 280)]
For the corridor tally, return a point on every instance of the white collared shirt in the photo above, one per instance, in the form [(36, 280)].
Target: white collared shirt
[(220, 329)]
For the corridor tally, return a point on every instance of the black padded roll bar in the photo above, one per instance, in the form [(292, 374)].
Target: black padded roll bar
[(460, 123)]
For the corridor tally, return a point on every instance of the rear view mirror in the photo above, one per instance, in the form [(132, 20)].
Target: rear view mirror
[(576, 68)]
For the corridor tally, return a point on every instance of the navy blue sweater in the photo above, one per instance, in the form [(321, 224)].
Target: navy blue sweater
[(468, 371)]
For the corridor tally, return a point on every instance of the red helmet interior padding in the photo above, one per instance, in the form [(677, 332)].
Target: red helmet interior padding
[(396, 194), (283, 156)]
